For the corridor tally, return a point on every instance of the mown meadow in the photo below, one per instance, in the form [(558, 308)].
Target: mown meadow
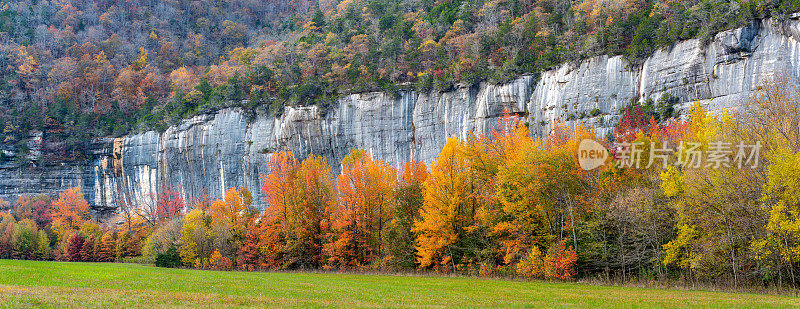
[(37, 284)]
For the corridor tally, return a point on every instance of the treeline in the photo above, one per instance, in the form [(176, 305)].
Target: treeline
[(370, 45), (507, 204), (43, 229), (76, 70), (82, 69)]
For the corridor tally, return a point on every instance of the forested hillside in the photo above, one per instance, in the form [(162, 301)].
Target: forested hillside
[(81, 69)]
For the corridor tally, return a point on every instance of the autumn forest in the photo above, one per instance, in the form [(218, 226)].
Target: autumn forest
[(76, 70), (506, 204)]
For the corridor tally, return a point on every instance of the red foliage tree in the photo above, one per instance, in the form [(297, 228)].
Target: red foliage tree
[(169, 204), (220, 262), (42, 209), (631, 123), (249, 257), (37, 208), (673, 130), (560, 261), (75, 248)]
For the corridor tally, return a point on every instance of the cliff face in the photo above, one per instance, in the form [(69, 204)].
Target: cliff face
[(209, 153)]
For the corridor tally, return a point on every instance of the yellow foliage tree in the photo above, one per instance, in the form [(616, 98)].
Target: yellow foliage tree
[(449, 208), (193, 220)]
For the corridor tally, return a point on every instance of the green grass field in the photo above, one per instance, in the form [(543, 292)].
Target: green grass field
[(60, 284)]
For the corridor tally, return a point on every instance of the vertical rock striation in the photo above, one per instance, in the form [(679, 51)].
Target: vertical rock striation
[(206, 154)]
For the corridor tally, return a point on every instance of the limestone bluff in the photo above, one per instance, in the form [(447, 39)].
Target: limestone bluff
[(210, 153)]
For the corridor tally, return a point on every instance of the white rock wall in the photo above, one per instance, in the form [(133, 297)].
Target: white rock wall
[(209, 153)]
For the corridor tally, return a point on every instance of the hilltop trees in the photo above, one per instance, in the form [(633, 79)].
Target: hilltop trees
[(88, 69), (79, 70)]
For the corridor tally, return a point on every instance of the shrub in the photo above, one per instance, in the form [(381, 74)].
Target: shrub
[(170, 259), (220, 262), (532, 266), (163, 238), (143, 260), (560, 262)]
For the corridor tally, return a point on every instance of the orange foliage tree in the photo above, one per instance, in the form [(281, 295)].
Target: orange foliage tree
[(70, 210), (233, 208), (280, 189), (358, 223), (317, 200), (300, 198), (230, 220)]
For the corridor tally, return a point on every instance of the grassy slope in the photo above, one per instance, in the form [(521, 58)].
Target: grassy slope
[(59, 284)]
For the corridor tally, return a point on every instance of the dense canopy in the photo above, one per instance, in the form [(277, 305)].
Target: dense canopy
[(81, 69)]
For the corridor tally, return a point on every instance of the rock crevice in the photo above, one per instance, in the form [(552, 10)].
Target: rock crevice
[(207, 154)]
